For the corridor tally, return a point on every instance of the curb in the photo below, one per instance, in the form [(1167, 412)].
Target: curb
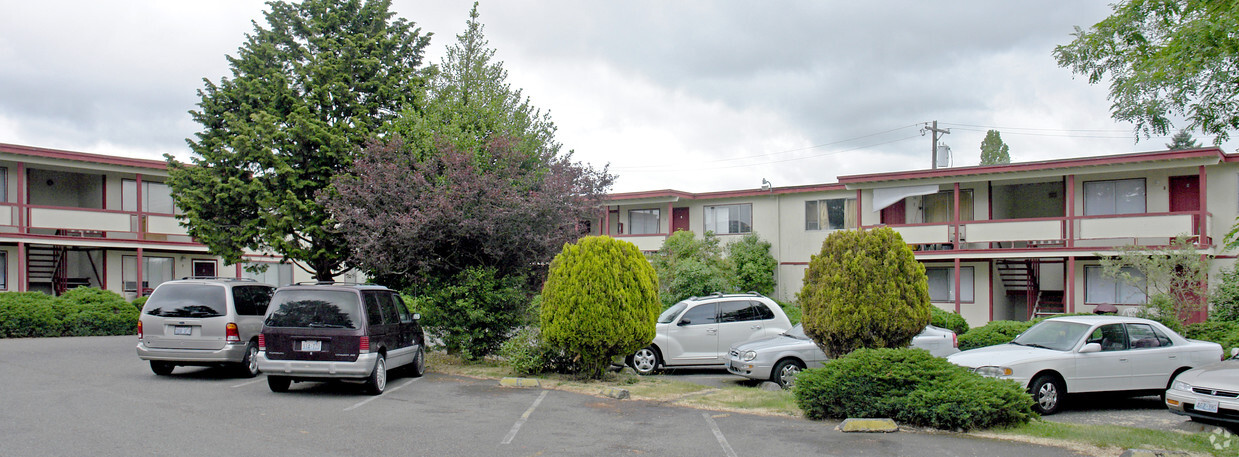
[(519, 382), (868, 425), (1151, 453)]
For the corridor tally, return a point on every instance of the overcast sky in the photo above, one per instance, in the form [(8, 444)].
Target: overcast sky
[(695, 96)]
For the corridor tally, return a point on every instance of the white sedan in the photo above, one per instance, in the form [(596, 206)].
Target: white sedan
[(1075, 354)]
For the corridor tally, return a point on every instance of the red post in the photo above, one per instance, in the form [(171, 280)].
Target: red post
[(138, 268), (1071, 211), (1203, 236), (959, 293), (1070, 285)]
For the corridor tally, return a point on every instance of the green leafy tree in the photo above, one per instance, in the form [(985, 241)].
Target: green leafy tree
[(993, 150), (600, 301), (1175, 277), (1224, 298), (865, 289), (754, 265), (1182, 140), (688, 266), (306, 93), (1164, 57)]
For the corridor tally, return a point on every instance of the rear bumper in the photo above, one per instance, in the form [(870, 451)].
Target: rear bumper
[(360, 368), (231, 353)]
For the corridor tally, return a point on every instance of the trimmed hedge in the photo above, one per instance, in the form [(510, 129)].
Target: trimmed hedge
[(912, 387), (79, 312), (1225, 333), (951, 320), (995, 332)]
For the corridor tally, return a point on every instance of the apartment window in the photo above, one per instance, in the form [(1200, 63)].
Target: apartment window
[(156, 197), (940, 207), (1122, 196), (155, 271), (725, 219), (1099, 288), (942, 284), (4, 271), (4, 184), (831, 214), (643, 221), (278, 274)]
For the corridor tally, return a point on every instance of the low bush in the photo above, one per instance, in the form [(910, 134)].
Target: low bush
[(1224, 299), (139, 302), (29, 314), (996, 332), (474, 312), (1225, 333), (89, 311), (526, 354), (951, 320), (792, 311), (912, 387)]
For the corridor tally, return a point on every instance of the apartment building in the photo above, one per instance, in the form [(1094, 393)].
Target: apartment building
[(1015, 240), (71, 219)]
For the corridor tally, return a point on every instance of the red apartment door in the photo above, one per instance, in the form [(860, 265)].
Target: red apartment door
[(1185, 196), (679, 219), (894, 214)]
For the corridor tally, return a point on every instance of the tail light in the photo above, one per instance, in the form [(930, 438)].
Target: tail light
[(954, 340), (364, 347), (139, 329), (233, 336), (262, 342)]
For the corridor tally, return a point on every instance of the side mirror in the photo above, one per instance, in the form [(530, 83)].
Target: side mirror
[(684, 322), (1090, 347), (417, 316)]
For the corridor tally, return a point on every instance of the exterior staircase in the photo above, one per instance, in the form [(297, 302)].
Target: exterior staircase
[(1049, 303), (45, 265)]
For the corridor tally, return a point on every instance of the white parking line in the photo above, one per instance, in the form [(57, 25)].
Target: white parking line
[(517, 426), (248, 383), (719, 435), (368, 400)]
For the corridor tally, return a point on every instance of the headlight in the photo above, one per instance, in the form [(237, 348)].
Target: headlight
[(748, 356), (993, 372), (1180, 385)]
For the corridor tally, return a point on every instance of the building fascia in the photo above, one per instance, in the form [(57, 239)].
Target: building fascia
[(79, 160)]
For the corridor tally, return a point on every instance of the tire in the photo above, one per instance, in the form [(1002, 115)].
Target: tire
[(1048, 394), (278, 383), (377, 382), (418, 367), (784, 373), (162, 368), (249, 364), (646, 361)]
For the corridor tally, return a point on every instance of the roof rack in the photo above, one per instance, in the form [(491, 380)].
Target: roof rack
[(335, 283), (228, 278)]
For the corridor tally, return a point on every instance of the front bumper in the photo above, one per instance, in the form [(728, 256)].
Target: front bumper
[(753, 369), (1183, 403), (359, 368), (231, 353)]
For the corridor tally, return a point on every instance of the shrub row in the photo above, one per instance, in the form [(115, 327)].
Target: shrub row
[(910, 386), (79, 312), (950, 320), (1225, 333)]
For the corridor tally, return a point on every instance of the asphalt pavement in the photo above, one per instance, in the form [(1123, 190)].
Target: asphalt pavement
[(92, 396)]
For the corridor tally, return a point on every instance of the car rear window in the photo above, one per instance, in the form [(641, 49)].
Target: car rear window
[(187, 300), (314, 308)]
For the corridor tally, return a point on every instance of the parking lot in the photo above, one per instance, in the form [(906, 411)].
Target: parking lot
[(92, 396)]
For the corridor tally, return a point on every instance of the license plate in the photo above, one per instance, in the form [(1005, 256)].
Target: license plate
[(182, 330), (1206, 406), (311, 345)]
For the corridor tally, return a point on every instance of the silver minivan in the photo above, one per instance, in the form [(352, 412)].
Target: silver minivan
[(203, 322)]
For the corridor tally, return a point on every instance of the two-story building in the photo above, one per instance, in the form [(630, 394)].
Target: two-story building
[(72, 219), (1015, 240)]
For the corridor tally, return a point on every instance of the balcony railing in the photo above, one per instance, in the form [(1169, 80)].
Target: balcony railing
[(113, 224), (1087, 231)]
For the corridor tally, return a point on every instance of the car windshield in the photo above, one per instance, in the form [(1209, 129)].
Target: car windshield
[(669, 315), (1056, 335), (314, 308), (187, 300), (796, 332)]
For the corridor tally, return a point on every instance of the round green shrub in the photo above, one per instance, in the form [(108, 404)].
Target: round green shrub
[(89, 311), (950, 320), (993, 333), (1224, 299), (600, 300), (473, 312), (753, 263), (864, 289), (1225, 333), (139, 302), (29, 314), (912, 387)]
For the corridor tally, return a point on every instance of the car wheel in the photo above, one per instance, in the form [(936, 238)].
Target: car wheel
[(418, 367), (645, 361), (1048, 394), (249, 364), (162, 368), (278, 383), (785, 372), (378, 378)]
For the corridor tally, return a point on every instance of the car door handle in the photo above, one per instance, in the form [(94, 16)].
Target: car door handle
[(1122, 360), (1173, 356), (755, 327), (711, 331)]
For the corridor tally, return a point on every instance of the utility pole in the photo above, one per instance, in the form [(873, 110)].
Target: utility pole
[(933, 128)]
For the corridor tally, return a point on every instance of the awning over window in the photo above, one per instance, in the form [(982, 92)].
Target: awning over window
[(887, 196)]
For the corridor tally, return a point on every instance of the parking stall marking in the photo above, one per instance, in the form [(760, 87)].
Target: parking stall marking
[(517, 426), (248, 383), (718, 434), (368, 400)]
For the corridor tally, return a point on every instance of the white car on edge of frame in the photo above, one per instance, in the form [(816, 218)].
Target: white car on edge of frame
[(1075, 354)]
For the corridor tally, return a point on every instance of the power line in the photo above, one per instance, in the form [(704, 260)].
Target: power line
[(1039, 129), (724, 167), (1065, 135)]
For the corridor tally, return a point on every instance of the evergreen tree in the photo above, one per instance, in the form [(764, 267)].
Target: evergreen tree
[(306, 93), (993, 150), (1182, 140)]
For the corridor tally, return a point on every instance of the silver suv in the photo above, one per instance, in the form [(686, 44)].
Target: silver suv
[(700, 330), (203, 321)]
